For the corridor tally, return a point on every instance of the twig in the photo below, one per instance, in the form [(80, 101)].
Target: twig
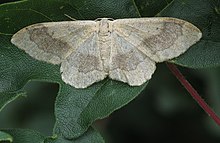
[(193, 93)]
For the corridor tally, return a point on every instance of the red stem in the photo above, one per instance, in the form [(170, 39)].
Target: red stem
[(193, 93)]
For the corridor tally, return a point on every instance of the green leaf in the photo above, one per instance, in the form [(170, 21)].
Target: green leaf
[(5, 137), (25, 136), (77, 109), (16, 67), (91, 136)]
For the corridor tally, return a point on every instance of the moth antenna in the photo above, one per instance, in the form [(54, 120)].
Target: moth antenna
[(70, 17)]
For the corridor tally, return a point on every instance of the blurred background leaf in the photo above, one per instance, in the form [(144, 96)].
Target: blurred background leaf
[(25, 136)]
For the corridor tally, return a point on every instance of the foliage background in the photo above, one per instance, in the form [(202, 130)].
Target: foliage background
[(164, 111)]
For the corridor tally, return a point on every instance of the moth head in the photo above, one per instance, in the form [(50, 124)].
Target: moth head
[(104, 25)]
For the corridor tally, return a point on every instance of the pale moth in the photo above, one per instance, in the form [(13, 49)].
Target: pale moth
[(124, 49)]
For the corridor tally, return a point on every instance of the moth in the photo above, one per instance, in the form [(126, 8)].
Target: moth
[(126, 50)]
